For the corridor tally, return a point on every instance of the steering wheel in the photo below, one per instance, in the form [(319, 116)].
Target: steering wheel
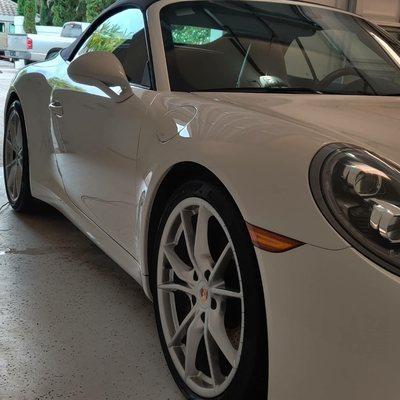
[(330, 78)]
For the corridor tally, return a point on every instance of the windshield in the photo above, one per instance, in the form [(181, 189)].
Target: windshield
[(266, 46), (72, 30)]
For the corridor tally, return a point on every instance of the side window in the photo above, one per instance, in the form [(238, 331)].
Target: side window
[(123, 34), (2, 27)]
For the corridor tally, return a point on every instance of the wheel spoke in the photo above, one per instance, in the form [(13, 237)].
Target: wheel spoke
[(182, 271), (10, 144), (10, 164), (15, 184), (175, 287), (11, 179), (186, 217), (17, 180), (202, 253), (194, 335), (182, 329), (12, 123), (13, 130), (217, 329), (212, 356), (225, 293), (18, 137), (220, 266), (18, 175)]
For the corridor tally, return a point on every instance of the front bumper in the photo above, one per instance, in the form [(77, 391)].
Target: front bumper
[(333, 326)]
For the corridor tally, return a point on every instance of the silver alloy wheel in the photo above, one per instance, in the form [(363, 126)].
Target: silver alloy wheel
[(200, 297), (13, 156)]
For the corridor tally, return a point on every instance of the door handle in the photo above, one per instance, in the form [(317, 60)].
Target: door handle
[(56, 108)]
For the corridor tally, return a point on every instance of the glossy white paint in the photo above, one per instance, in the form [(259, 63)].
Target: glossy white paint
[(333, 326), (102, 163), (104, 71)]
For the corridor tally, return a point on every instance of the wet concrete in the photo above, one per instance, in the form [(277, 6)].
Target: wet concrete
[(73, 325)]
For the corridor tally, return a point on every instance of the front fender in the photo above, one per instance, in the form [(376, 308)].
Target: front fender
[(262, 161)]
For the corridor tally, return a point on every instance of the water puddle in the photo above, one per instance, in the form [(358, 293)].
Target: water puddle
[(40, 251)]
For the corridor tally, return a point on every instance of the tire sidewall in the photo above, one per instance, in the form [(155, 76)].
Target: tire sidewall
[(252, 374)]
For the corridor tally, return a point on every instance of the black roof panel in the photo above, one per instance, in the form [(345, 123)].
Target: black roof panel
[(144, 4)]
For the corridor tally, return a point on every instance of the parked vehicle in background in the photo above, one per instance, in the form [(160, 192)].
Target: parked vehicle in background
[(36, 47), (5, 29)]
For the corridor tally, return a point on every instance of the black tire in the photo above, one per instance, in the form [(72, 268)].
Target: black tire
[(251, 379), (25, 202)]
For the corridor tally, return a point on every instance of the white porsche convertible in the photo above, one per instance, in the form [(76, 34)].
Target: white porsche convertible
[(240, 159)]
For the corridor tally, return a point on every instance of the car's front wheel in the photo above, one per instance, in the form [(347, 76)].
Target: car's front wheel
[(15, 160), (208, 297)]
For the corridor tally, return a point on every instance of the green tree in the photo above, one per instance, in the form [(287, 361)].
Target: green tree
[(81, 11), (108, 38), (95, 7), (21, 7), (191, 35), (30, 10), (46, 17), (65, 11)]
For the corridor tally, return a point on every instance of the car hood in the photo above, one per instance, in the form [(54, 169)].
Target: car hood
[(368, 121)]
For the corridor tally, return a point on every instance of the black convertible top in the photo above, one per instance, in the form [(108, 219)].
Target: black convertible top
[(142, 4)]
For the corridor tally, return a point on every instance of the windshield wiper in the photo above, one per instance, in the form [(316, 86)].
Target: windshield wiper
[(296, 90)]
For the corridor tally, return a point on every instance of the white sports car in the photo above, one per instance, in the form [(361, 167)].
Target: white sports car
[(240, 159)]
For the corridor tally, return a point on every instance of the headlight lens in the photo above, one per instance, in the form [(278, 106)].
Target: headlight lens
[(359, 193)]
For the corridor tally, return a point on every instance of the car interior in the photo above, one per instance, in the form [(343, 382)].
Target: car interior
[(280, 46)]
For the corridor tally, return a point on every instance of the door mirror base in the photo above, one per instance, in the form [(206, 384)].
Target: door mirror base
[(102, 70)]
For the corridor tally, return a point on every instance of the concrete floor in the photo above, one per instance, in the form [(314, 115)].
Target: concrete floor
[(73, 325)]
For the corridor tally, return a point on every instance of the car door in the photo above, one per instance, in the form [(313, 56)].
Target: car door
[(96, 139)]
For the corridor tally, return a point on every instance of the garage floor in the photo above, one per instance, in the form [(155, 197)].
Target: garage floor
[(73, 325)]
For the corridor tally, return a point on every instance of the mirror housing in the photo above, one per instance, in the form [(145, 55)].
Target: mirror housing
[(103, 70)]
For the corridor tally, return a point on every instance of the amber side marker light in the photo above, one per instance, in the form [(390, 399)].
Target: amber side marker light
[(270, 241)]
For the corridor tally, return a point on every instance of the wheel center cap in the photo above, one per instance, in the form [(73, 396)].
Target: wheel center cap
[(203, 295)]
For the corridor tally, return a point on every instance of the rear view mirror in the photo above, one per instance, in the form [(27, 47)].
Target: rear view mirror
[(104, 71)]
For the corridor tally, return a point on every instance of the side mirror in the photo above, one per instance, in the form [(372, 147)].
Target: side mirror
[(104, 71)]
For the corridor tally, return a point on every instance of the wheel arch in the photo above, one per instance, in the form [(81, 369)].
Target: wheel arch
[(176, 175)]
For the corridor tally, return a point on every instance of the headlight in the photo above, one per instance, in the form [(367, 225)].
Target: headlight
[(359, 194)]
